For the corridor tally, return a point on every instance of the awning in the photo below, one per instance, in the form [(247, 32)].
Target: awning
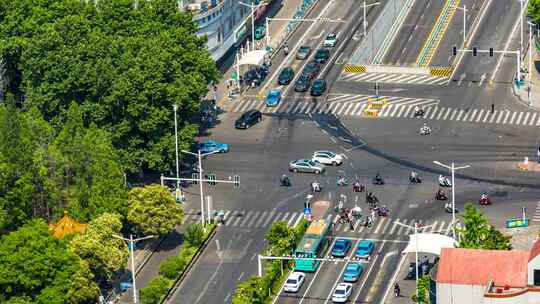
[(429, 243), (253, 58)]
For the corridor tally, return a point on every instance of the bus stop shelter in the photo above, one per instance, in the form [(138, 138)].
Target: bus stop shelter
[(429, 243)]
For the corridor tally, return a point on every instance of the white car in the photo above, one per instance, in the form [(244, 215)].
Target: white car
[(327, 158), (342, 293), (294, 282), (330, 40)]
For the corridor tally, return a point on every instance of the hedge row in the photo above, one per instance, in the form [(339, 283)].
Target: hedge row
[(260, 289), (173, 267)]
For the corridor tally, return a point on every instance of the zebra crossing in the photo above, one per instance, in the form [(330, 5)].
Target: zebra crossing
[(382, 225), (341, 104), (536, 217), (388, 226), (395, 78), (396, 107)]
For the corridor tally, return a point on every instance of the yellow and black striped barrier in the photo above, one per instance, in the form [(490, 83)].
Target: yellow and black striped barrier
[(441, 71), (370, 112), (349, 68)]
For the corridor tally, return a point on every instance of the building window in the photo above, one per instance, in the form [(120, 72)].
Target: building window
[(537, 277)]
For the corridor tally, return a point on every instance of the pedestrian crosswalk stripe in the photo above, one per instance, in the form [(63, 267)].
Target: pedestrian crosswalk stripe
[(297, 220), (395, 78), (291, 220), (253, 218)]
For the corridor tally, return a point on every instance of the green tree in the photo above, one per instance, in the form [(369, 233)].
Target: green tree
[(251, 291), (194, 234), (171, 267), (423, 291), (153, 210), (125, 67), (478, 233), (83, 289), (34, 265), (104, 253), (155, 291), (281, 238), (534, 10)]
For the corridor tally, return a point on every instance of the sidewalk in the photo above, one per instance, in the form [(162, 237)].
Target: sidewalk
[(524, 90)]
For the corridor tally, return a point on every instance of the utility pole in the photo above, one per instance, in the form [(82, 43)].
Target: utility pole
[(252, 6), (364, 21), (175, 107), (131, 241), (521, 25), (452, 168), (200, 180), (464, 9), (530, 60)]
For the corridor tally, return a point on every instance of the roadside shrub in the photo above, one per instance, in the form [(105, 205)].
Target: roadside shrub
[(171, 267), (155, 291), (194, 234)]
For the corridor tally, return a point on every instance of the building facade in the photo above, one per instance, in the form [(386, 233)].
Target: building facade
[(225, 22)]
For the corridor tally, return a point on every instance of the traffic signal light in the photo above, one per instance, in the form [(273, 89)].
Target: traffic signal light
[(490, 52), (195, 177), (474, 51), (454, 51), (236, 181)]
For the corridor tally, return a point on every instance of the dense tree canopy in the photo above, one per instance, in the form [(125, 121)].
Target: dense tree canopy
[(104, 253), (153, 210), (34, 266), (42, 174), (125, 67), (534, 10)]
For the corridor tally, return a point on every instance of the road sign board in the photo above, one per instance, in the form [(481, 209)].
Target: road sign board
[(516, 223), (234, 75)]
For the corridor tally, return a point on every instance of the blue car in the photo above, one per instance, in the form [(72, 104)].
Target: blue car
[(208, 146), (273, 98), (353, 272), (364, 249), (341, 248)]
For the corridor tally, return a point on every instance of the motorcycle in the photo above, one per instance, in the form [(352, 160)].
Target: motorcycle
[(441, 196), (425, 130), (448, 209), (357, 187), (371, 199), (444, 181), (419, 113), (356, 212), (315, 187), (382, 211), (414, 179), (378, 180), (484, 200), (339, 207), (285, 182), (220, 217), (342, 182)]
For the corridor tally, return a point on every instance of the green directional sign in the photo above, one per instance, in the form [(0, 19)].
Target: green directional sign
[(516, 223), (234, 75)]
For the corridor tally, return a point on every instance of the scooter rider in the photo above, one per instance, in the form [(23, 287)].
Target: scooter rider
[(341, 181), (441, 195), (425, 130), (397, 290), (285, 180), (418, 111), (414, 177), (286, 49), (315, 186)]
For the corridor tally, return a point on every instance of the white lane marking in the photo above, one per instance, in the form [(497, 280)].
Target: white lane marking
[(379, 225), (519, 118), (473, 114), (253, 218), (506, 117), (394, 277), (316, 274), (394, 226), (512, 119), (269, 218), (447, 112), (261, 219), (526, 117)]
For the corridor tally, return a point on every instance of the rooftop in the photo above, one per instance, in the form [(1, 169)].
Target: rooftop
[(478, 267)]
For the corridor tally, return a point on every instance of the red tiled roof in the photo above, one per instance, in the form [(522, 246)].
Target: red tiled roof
[(535, 250), (477, 267)]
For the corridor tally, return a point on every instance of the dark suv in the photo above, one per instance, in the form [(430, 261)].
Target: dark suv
[(248, 119), (311, 70)]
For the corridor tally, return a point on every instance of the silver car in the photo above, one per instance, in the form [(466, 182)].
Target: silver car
[(306, 165)]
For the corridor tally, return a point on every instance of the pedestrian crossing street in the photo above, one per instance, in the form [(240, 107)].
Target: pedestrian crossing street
[(381, 226), (341, 104), (395, 78), (395, 107)]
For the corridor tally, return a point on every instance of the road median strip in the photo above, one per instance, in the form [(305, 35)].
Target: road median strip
[(437, 33)]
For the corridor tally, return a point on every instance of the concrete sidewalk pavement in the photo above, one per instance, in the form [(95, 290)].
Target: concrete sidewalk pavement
[(526, 93)]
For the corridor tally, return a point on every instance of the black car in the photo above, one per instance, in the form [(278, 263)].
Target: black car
[(322, 55), (248, 119), (286, 76), (302, 84), (311, 70), (255, 75), (318, 88)]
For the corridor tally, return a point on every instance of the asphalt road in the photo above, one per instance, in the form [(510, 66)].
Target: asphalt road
[(387, 145)]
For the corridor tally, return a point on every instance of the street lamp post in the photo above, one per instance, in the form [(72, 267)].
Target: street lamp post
[(530, 60), (452, 168), (132, 242), (464, 9), (521, 25), (416, 228), (175, 107), (364, 20)]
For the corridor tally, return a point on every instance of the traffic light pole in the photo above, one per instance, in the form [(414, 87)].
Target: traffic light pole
[(200, 180), (474, 50)]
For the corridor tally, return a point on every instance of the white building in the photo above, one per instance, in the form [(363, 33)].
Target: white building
[(474, 276), (218, 19)]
